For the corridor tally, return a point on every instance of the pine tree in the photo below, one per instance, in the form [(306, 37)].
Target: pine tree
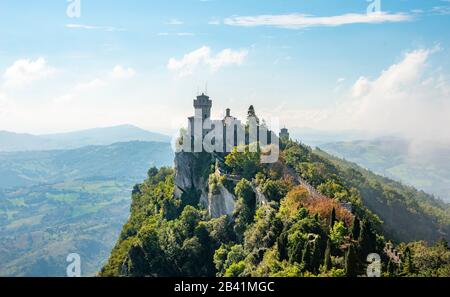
[(306, 257), (391, 269), (327, 262), (351, 262), (282, 242), (408, 266), (356, 229), (333, 218), (367, 240), (315, 257)]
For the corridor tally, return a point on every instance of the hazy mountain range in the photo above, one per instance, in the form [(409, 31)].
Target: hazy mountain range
[(124, 159), (13, 142)]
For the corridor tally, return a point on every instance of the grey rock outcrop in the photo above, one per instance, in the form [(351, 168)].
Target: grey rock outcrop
[(221, 202), (191, 174)]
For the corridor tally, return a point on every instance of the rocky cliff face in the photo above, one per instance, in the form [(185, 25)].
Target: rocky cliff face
[(191, 175), (220, 202), (192, 172)]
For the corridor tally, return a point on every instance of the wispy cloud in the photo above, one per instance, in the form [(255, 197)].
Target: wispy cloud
[(174, 22), (176, 34), (91, 27), (441, 10), (300, 21)]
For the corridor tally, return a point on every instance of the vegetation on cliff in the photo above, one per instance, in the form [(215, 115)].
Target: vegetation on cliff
[(320, 217)]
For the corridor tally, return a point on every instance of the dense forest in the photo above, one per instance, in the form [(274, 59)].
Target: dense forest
[(321, 216)]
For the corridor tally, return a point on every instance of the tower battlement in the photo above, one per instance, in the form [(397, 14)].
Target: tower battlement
[(203, 106)]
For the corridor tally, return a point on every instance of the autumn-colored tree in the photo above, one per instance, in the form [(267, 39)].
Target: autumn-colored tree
[(324, 207), (293, 201)]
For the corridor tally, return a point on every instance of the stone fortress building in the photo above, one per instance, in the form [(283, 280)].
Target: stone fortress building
[(217, 138), (227, 133)]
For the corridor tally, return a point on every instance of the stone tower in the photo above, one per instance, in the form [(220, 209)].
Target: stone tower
[(203, 106), (284, 133)]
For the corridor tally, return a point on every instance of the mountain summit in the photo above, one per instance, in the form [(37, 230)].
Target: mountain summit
[(308, 214)]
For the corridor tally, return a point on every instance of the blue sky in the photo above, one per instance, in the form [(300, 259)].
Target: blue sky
[(310, 63)]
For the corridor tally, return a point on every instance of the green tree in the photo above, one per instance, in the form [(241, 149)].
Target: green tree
[(275, 190), (356, 229), (408, 265), (332, 218), (391, 269), (245, 164), (327, 261), (235, 270), (307, 257), (351, 262), (367, 240), (338, 233), (245, 208)]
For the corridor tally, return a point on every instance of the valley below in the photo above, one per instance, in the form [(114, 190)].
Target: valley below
[(53, 203)]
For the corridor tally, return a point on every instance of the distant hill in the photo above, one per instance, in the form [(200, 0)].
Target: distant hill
[(11, 142), (127, 159), (53, 203), (426, 168), (315, 137), (14, 142)]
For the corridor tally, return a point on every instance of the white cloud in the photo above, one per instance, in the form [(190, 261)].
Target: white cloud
[(300, 21), (227, 57), (93, 84), (404, 99), (120, 72), (409, 98), (3, 104), (91, 27), (25, 71), (361, 87), (80, 90), (202, 56)]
